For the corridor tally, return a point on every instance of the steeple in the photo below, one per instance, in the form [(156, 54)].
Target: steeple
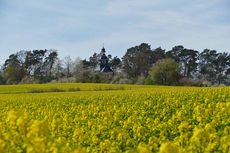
[(103, 49), (104, 62)]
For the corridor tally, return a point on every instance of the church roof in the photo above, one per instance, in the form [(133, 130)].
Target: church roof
[(103, 50), (106, 69), (104, 66), (104, 56)]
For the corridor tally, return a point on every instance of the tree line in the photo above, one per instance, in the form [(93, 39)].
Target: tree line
[(140, 65)]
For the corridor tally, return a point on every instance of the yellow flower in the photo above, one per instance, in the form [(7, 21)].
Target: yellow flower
[(12, 117), (144, 148), (95, 140), (169, 147)]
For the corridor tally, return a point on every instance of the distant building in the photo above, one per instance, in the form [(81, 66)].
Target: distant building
[(104, 62)]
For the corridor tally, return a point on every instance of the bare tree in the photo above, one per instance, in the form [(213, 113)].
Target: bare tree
[(58, 69), (77, 66), (68, 64)]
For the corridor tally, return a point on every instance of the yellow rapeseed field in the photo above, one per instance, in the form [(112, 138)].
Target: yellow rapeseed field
[(64, 118)]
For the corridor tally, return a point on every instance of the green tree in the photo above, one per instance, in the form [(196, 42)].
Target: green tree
[(158, 54), (94, 61), (175, 52), (49, 63), (188, 60), (1, 79), (13, 69), (115, 63), (207, 58), (138, 60), (165, 72), (85, 64), (221, 67), (34, 63)]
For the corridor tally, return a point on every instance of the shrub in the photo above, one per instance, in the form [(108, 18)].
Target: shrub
[(140, 80), (166, 72), (148, 81), (29, 80), (74, 89), (56, 90)]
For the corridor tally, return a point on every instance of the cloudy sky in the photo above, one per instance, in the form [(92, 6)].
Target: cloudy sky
[(79, 27)]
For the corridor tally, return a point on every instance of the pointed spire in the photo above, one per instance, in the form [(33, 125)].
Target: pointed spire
[(103, 49)]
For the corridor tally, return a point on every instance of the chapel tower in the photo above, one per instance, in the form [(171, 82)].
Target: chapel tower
[(104, 62)]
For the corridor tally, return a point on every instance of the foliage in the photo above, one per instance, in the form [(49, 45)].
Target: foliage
[(44, 66), (165, 72), (1, 79), (37, 64), (149, 81), (137, 60), (186, 57), (29, 80), (136, 119), (94, 61), (87, 76), (188, 82), (115, 63), (214, 66), (140, 80), (13, 69), (121, 79)]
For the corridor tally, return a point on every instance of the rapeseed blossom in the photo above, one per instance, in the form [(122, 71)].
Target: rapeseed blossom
[(141, 119)]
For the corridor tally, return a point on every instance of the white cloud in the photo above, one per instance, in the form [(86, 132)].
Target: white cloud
[(129, 7), (194, 24)]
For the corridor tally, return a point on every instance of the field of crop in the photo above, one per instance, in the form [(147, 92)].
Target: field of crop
[(114, 118)]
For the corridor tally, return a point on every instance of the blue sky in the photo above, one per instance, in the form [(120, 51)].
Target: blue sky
[(79, 27)]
